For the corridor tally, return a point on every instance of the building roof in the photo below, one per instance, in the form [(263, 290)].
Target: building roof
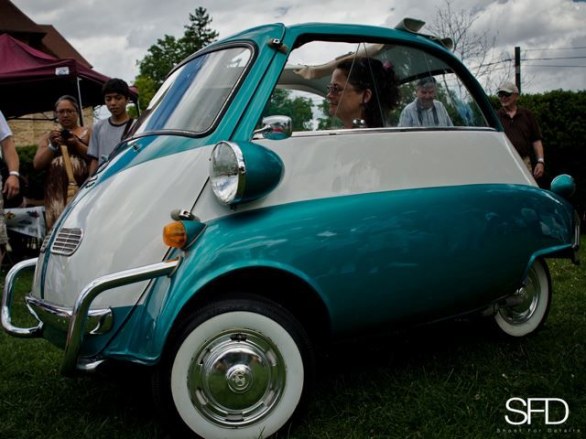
[(37, 65), (58, 46), (13, 20), (43, 37)]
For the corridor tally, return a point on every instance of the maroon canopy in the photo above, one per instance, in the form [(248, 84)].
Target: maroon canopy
[(31, 81)]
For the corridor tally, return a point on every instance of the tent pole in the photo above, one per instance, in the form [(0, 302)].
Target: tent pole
[(77, 79)]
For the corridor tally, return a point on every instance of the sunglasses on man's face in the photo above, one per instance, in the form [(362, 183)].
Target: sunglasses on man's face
[(504, 94)]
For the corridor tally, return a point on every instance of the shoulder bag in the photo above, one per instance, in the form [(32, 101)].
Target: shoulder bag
[(72, 186)]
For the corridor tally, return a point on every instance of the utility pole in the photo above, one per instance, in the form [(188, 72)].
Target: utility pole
[(518, 67)]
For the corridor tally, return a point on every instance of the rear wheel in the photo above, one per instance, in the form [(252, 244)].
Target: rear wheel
[(527, 309), (239, 369)]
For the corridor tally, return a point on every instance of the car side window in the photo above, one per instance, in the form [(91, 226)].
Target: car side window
[(370, 85)]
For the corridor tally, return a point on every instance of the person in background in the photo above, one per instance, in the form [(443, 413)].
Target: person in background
[(362, 92), (109, 132), (11, 186), (425, 110), (50, 158), (521, 128)]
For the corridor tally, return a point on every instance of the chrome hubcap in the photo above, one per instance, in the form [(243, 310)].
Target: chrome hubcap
[(236, 378), (239, 378), (526, 301)]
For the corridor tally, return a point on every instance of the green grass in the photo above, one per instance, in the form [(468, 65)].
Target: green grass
[(446, 381)]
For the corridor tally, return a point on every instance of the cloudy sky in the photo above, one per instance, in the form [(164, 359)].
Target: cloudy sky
[(113, 34)]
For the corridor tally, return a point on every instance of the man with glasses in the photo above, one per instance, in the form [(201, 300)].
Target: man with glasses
[(425, 110), (72, 138), (521, 128)]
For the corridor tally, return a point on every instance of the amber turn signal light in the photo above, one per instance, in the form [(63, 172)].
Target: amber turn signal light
[(175, 235)]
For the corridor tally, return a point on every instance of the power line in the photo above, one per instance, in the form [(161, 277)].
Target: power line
[(494, 63), (553, 58), (556, 48), (508, 60), (539, 65)]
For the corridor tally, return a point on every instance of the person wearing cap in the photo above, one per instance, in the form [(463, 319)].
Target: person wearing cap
[(521, 128), (425, 110), (109, 132)]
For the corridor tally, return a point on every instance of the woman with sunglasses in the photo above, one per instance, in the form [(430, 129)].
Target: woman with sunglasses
[(521, 128), (362, 92), (49, 157)]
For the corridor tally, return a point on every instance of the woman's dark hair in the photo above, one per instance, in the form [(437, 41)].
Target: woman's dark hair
[(370, 73), (70, 99)]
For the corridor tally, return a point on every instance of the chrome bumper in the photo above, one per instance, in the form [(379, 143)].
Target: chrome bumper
[(577, 235), (75, 319)]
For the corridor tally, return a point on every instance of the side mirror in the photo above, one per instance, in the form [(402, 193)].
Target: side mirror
[(276, 127), (563, 185)]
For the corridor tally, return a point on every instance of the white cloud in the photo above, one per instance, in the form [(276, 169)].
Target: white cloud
[(114, 34)]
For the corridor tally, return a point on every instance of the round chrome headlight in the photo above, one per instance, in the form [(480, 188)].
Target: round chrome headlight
[(227, 170), (240, 173)]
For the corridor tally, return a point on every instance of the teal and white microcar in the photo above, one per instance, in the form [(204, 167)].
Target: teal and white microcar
[(225, 240)]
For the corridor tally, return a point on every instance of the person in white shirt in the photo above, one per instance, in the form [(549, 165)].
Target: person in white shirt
[(10, 187)]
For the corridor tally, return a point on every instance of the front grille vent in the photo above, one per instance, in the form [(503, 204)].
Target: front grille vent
[(45, 243), (66, 242)]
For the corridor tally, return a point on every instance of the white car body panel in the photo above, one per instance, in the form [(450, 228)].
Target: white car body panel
[(158, 186), (326, 165)]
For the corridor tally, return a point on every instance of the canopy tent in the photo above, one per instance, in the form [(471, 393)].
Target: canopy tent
[(31, 81)]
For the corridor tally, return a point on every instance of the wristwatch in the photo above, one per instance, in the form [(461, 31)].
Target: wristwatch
[(540, 160)]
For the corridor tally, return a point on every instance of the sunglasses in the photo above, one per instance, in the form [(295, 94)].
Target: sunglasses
[(504, 94), (334, 89)]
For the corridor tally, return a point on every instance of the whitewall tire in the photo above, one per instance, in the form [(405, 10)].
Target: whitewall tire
[(527, 309), (237, 371)]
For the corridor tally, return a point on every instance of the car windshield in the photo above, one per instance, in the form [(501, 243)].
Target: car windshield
[(194, 95)]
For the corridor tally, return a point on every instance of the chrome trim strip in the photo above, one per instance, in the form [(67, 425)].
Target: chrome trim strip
[(7, 299), (80, 310)]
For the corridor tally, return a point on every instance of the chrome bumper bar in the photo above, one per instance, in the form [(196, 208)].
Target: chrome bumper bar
[(7, 296), (78, 315)]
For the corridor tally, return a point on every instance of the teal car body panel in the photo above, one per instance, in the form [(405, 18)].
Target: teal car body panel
[(378, 243)]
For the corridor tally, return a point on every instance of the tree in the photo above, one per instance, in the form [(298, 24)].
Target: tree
[(476, 50), (198, 34), (168, 51), (327, 122), (147, 88), (297, 108)]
